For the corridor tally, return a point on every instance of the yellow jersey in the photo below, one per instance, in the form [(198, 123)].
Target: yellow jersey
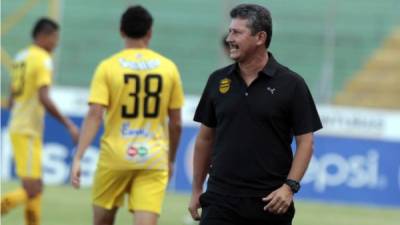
[(137, 86), (32, 69)]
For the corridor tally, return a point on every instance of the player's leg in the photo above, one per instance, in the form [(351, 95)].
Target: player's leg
[(33, 188), (147, 195), (145, 218), (109, 188), (27, 154), (19, 196), (13, 199), (102, 216), (31, 176)]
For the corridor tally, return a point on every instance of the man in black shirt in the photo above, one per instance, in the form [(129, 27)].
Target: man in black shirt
[(249, 113)]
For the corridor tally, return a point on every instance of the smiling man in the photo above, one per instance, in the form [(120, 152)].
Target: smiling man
[(249, 113)]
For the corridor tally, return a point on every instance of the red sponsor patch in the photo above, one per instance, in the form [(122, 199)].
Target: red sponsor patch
[(132, 151)]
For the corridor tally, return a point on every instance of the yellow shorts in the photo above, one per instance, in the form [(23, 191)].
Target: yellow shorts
[(28, 155), (145, 189)]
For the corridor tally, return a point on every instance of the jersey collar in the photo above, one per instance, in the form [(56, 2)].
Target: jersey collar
[(269, 69)]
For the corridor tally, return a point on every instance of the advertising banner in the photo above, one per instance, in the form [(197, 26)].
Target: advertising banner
[(343, 169)]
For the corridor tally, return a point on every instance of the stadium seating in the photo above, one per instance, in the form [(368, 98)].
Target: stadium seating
[(377, 84), (189, 32)]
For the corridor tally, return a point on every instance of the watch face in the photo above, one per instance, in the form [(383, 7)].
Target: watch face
[(294, 185)]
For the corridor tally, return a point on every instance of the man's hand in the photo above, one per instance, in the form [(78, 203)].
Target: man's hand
[(76, 173), (279, 200), (194, 205)]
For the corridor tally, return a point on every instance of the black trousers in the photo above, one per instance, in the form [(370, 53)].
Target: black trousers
[(219, 209)]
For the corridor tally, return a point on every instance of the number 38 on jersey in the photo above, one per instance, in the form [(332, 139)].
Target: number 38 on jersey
[(142, 95)]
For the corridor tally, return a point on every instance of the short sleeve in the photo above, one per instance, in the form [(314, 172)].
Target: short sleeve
[(177, 96), (99, 92), (205, 111), (304, 114), (44, 71)]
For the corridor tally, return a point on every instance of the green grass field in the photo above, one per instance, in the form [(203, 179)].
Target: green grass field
[(65, 206)]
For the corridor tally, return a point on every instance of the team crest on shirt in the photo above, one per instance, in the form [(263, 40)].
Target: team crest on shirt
[(224, 85)]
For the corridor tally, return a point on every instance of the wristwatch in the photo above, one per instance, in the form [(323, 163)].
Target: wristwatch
[(294, 185)]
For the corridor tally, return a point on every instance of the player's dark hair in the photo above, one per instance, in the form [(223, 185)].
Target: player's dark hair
[(136, 22), (44, 25), (258, 16)]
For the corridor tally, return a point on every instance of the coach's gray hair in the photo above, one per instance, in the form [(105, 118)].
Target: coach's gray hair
[(258, 16)]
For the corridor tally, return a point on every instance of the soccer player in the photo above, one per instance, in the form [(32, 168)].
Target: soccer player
[(140, 93), (29, 99)]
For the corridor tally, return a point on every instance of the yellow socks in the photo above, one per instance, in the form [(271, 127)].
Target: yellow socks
[(13, 199), (19, 196), (33, 211)]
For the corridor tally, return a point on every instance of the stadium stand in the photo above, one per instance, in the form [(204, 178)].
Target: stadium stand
[(189, 32), (377, 84)]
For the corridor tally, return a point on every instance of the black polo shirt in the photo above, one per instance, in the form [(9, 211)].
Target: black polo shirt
[(254, 127)]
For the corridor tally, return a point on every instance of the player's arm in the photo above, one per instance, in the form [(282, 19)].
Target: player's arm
[(201, 164), (50, 107), (175, 130), (90, 127), (174, 113), (280, 200), (10, 101)]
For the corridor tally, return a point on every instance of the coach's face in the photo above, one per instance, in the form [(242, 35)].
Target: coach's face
[(242, 44)]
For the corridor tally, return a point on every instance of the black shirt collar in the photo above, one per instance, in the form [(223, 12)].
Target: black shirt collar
[(269, 69)]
